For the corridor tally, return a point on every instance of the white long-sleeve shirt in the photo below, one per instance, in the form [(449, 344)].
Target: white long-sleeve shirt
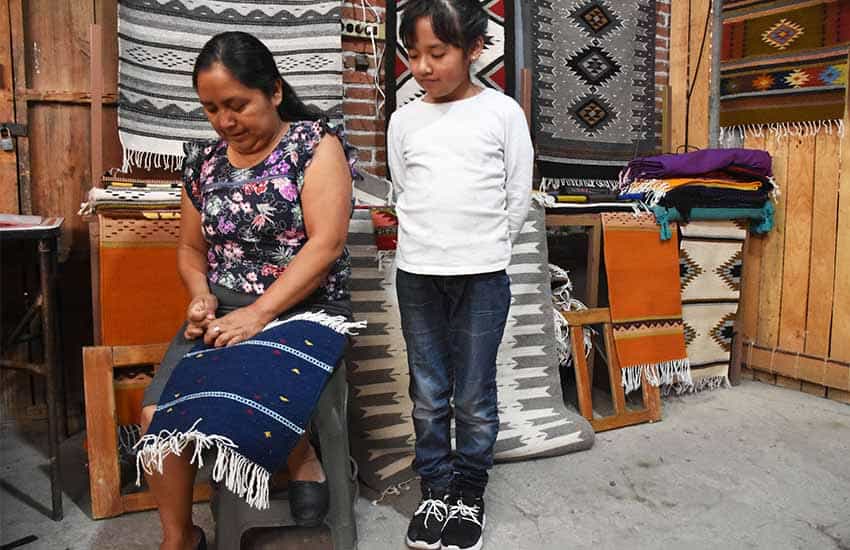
[(462, 177)]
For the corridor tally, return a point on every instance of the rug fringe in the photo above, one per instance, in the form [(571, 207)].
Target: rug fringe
[(784, 129), (338, 323), (149, 160), (244, 478), (657, 374)]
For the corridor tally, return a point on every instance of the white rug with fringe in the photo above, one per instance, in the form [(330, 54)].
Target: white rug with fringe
[(710, 259)]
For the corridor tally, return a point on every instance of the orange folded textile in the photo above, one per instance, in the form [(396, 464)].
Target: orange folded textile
[(645, 300)]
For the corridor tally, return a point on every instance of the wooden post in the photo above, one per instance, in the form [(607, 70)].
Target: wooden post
[(96, 78), (525, 94), (16, 21)]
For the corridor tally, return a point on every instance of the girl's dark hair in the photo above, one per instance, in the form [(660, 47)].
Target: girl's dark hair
[(251, 62), (456, 22)]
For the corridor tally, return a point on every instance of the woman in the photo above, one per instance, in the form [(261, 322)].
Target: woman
[(264, 220)]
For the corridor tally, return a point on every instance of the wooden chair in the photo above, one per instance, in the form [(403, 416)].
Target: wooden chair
[(651, 411), (102, 428)]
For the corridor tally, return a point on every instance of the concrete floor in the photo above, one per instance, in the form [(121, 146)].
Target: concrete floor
[(754, 467)]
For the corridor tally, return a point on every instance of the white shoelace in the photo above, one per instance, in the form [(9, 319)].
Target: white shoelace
[(433, 507), (469, 513)]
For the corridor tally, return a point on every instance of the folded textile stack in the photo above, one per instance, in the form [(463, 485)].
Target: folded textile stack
[(124, 196), (708, 184), (583, 195)]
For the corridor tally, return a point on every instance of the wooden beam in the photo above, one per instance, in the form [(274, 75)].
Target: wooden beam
[(799, 193), (587, 316), (65, 96), (8, 159), (770, 291), (96, 98), (798, 366), (101, 435), (16, 20), (525, 94), (824, 232), (840, 338)]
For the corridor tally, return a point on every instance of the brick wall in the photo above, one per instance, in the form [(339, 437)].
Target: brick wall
[(364, 125)]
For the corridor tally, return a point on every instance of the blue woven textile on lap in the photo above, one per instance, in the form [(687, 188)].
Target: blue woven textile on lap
[(251, 401)]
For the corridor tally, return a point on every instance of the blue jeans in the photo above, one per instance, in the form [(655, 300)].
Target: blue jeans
[(453, 326)]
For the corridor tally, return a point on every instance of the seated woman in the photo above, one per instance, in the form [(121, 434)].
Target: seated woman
[(264, 220)]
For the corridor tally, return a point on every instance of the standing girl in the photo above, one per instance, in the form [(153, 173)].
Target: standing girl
[(461, 160)]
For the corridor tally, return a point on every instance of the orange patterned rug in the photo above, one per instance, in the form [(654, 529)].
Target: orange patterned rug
[(645, 301)]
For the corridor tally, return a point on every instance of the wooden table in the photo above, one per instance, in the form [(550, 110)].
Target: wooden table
[(593, 223), (47, 233)]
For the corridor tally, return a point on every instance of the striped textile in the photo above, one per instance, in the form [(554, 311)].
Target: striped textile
[(534, 421), (646, 307), (249, 402), (159, 40)]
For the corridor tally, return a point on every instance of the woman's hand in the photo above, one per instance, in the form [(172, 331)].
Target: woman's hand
[(237, 326), (200, 312)]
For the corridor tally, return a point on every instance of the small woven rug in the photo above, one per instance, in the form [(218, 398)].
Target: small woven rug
[(784, 63), (159, 40), (594, 84), (644, 298), (249, 402), (710, 261)]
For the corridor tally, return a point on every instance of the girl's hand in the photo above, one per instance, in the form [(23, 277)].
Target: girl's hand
[(238, 326), (200, 312)]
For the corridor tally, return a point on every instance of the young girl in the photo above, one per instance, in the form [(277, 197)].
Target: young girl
[(461, 162)]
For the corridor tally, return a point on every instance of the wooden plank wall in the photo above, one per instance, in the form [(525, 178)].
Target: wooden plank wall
[(684, 60), (796, 295), (51, 51)]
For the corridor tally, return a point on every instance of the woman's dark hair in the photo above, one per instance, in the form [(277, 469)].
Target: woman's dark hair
[(251, 62), (456, 22)]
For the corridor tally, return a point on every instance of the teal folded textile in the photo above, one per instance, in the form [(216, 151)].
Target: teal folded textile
[(761, 219)]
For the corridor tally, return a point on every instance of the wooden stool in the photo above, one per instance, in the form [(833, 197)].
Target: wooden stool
[(101, 429), (651, 411)]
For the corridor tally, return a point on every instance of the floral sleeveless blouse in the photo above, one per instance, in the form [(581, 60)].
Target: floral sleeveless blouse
[(252, 218)]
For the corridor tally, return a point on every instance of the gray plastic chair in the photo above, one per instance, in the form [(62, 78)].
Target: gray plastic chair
[(233, 517)]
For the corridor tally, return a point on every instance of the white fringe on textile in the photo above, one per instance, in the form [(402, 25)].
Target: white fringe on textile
[(709, 383), (394, 490), (562, 300), (384, 257), (657, 374), (337, 323), (782, 129), (241, 476), (655, 190), (149, 160), (553, 184)]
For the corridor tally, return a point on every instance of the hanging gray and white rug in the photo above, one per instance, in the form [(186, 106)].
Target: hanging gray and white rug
[(594, 84), (534, 420), (158, 41)]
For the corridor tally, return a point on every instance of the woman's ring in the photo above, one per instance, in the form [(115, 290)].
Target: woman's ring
[(216, 329)]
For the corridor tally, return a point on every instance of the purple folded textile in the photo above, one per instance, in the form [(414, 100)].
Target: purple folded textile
[(696, 163)]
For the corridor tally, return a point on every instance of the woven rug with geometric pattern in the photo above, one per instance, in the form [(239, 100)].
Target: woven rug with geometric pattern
[(710, 259), (594, 83), (534, 421), (783, 62)]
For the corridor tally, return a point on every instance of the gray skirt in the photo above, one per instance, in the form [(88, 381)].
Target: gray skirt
[(228, 301)]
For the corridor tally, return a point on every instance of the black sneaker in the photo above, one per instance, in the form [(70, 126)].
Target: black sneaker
[(465, 525), (427, 522)]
